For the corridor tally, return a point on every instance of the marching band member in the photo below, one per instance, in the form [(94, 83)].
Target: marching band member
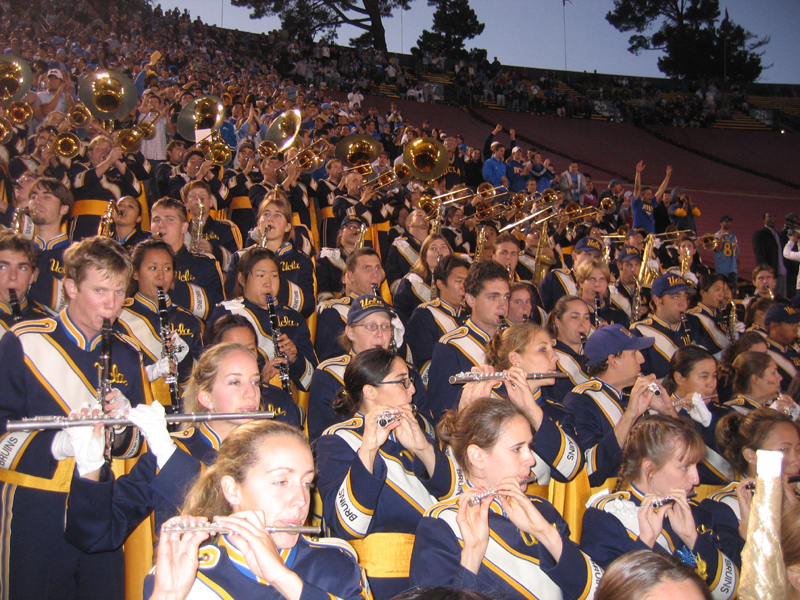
[(692, 383), (329, 264), (376, 479), (198, 277), (561, 282), (592, 280), (405, 250), (50, 368), (275, 231), (415, 287), (219, 237), (756, 383), (371, 323), (50, 204), (660, 461), (262, 477), (505, 250), (239, 179), (755, 314), (363, 271), (486, 293), (508, 544), (781, 323), (667, 325), (522, 305), (431, 320), (127, 223), (629, 262), (526, 267), (327, 190), (259, 278), (195, 167), (528, 348), (154, 267), (18, 273), (569, 325), (749, 340), (603, 416), (715, 338), (361, 200)]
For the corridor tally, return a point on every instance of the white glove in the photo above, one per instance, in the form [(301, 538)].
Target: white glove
[(699, 411), (61, 446), (160, 368), (399, 331), (123, 404), (658, 243), (152, 422), (740, 327), (88, 448), (181, 347)]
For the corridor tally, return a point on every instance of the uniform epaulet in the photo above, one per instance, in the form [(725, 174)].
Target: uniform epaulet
[(45, 325), (129, 340), (438, 508), (561, 270), (435, 303), (128, 302), (333, 302), (592, 385), (203, 254), (333, 543), (182, 310), (456, 333), (694, 311), (182, 435), (727, 492), (335, 361), (600, 503), (647, 321), (353, 423), (554, 403)]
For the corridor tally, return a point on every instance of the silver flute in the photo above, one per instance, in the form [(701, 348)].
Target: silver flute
[(666, 501), (222, 529), (470, 376), (388, 417), (60, 422), (653, 387), (478, 498)]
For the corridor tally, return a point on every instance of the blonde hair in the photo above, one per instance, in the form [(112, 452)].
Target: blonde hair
[(584, 270), (511, 339), (421, 266), (100, 253)]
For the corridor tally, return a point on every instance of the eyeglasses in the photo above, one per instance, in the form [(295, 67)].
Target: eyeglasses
[(406, 383), (373, 327)]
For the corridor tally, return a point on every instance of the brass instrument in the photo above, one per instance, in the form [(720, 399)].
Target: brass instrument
[(42, 423), (542, 209), (16, 311), (18, 220), (107, 220), (685, 260), (66, 145), (542, 263), (388, 417), (771, 294), (205, 112), (426, 158), (281, 133), (479, 245), (357, 151), (733, 335), (217, 529), (396, 176), (197, 227), (647, 275), (164, 331), (6, 131), (19, 113), (470, 376), (362, 234), (309, 160), (15, 78), (108, 95), (78, 116), (362, 167), (104, 383), (478, 497), (707, 241), (283, 368)]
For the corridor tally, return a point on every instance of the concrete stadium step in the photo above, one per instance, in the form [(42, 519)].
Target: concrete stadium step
[(741, 122)]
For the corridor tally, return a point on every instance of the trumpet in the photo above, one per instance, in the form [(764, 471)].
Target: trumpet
[(42, 423), (478, 498), (217, 529), (667, 500), (470, 376)]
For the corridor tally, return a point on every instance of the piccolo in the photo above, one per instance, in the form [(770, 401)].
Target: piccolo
[(37, 423), (478, 498), (388, 417), (659, 502), (470, 376), (217, 528), (751, 485), (653, 387)]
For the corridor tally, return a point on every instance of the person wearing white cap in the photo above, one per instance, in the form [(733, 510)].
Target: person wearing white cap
[(59, 96), (518, 171)]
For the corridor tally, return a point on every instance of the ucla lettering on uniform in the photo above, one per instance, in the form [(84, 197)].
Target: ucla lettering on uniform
[(290, 266), (56, 266), (184, 276), (183, 331)]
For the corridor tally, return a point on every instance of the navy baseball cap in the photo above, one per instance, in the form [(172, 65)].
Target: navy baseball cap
[(669, 283), (353, 219), (614, 182), (629, 253), (613, 339), (588, 244), (363, 306), (724, 218), (782, 313)]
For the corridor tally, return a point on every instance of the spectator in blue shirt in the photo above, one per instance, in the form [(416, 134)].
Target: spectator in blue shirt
[(494, 169), (644, 201), (518, 172), (682, 211), (725, 252)]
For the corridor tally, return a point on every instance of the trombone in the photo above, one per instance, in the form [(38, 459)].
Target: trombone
[(396, 176), (310, 159)]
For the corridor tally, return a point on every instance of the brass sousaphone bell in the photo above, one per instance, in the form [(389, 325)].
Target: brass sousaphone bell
[(108, 95), (426, 158), (358, 152), (281, 134), (15, 83), (204, 113)]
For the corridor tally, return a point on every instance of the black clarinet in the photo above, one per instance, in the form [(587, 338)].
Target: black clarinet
[(104, 383), (283, 368), (16, 311), (165, 330), (597, 310), (685, 323)]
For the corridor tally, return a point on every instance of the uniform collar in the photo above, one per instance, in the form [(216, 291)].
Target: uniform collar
[(773, 345), (284, 249), (76, 335), (612, 389), (23, 306), (239, 561), (706, 309), (562, 347), (449, 308), (485, 337), (209, 436), (127, 237), (153, 306), (61, 238), (747, 401), (664, 324)]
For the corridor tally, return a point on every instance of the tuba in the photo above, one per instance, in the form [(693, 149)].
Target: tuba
[(281, 133), (426, 158), (16, 78), (358, 151), (107, 95)]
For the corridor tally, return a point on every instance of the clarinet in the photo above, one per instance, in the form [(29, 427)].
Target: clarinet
[(165, 331), (104, 383), (16, 311), (597, 307), (283, 368), (685, 323)]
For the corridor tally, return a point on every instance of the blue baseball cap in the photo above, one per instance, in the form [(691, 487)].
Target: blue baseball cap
[(782, 313), (629, 253), (353, 219), (669, 283), (363, 306), (613, 339), (588, 244)]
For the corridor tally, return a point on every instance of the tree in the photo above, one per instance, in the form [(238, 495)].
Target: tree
[(693, 46), (454, 21), (305, 19)]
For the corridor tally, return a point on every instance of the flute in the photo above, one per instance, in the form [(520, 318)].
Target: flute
[(470, 376), (216, 528), (687, 402), (666, 501), (478, 498), (751, 485), (39, 423), (388, 417)]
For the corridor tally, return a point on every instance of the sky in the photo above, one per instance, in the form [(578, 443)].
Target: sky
[(531, 32)]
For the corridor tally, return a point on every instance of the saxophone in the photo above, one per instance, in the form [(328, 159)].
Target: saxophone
[(283, 368), (104, 382), (104, 229), (197, 228), (686, 260), (479, 245), (362, 234), (164, 331), (542, 263), (733, 335)]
